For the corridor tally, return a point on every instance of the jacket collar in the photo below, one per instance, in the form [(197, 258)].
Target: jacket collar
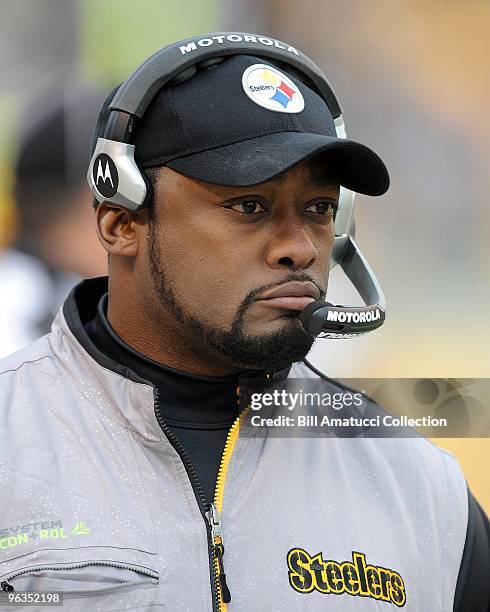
[(117, 390)]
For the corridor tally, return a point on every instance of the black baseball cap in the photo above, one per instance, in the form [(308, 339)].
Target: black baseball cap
[(243, 121)]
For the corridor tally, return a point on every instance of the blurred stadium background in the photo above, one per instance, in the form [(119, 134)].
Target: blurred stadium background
[(414, 81)]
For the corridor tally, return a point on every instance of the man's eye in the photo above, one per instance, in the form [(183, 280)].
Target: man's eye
[(248, 207), (323, 208)]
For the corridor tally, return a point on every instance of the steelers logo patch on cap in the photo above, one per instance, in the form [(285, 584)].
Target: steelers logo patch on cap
[(272, 89)]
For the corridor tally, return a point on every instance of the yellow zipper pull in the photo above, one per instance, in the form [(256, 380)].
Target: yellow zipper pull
[(218, 550)]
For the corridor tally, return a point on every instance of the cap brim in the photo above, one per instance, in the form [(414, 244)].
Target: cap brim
[(257, 160)]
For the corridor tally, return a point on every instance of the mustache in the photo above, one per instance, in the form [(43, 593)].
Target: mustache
[(293, 276)]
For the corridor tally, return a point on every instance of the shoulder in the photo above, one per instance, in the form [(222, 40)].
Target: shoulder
[(408, 455), (24, 378), (431, 482), (29, 358)]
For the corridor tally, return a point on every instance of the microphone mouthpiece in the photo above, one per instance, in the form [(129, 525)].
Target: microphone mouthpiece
[(314, 324), (341, 321)]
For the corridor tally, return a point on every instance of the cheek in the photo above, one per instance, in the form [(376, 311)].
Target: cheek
[(199, 253), (206, 270)]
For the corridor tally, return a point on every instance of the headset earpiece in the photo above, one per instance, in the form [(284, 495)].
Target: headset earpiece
[(114, 175)]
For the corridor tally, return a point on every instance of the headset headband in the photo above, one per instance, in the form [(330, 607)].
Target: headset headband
[(138, 90)]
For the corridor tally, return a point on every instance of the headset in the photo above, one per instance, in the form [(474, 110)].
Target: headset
[(128, 186)]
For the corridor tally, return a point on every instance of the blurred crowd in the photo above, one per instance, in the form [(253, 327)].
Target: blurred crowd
[(54, 243)]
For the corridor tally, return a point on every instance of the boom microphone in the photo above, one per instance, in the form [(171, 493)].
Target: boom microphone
[(342, 321), (328, 321)]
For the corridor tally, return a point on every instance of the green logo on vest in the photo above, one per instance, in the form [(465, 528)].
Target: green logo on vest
[(23, 533), (80, 529)]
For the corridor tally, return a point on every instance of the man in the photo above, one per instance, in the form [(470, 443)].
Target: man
[(122, 443)]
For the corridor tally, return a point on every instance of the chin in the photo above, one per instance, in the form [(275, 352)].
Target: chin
[(275, 346)]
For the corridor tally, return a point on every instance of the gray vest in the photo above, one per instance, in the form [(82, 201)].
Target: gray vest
[(96, 502)]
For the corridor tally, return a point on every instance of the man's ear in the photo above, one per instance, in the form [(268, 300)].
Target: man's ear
[(117, 229)]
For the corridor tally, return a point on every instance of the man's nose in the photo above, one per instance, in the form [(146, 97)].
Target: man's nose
[(291, 247)]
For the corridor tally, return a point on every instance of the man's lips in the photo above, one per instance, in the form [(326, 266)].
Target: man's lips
[(294, 295)]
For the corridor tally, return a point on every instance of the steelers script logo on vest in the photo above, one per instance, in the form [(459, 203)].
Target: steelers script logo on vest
[(272, 89), (104, 175), (308, 573)]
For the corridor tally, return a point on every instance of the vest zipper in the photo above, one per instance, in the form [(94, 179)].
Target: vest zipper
[(196, 487), (224, 595), (210, 512), (214, 515)]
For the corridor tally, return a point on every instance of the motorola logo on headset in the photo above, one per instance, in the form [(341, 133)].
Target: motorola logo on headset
[(105, 176)]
